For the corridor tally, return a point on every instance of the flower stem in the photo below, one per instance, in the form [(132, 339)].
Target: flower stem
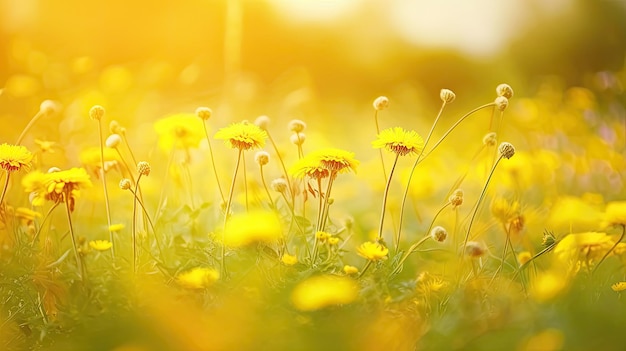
[(380, 151), (106, 192), (217, 179), (134, 225), (612, 248), (79, 261), (384, 205), (269, 196), (28, 126), (227, 212)]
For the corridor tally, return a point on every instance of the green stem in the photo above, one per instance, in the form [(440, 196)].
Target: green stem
[(217, 179), (227, 212), (79, 261), (384, 204)]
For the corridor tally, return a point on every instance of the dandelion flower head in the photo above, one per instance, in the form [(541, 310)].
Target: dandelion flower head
[(617, 287), (179, 131), (252, 227), (289, 260), (615, 213), (336, 160), (198, 278), (242, 136), (100, 245), (373, 251), (14, 157), (323, 291), (399, 141), (56, 186)]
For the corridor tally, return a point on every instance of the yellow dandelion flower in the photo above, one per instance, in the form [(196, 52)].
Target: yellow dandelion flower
[(523, 257), (100, 245), (585, 247), (116, 227), (179, 131), (350, 270), (322, 236), (252, 227), (323, 291), (308, 167), (399, 141), (373, 251), (617, 287), (503, 209), (289, 260), (615, 213), (26, 215), (56, 186), (548, 285), (333, 240), (14, 157), (198, 278), (336, 160), (242, 136), (90, 157)]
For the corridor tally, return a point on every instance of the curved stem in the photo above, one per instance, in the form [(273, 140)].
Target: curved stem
[(28, 126), (147, 216), (134, 225), (106, 192), (43, 221), (384, 204), (282, 164), (4, 189), (380, 151), (79, 261), (411, 250), (217, 179), (227, 212), (612, 248), (267, 191)]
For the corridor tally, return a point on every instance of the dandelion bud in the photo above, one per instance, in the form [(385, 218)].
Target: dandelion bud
[(333, 240), (348, 222), (143, 168), (114, 127), (447, 95), (262, 122), (262, 158), (350, 270), (330, 201), (490, 139), (204, 113), (298, 138), (96, 112), (504, 90), (474, 249), (507, 150), (501, 103), (456, 199), (439, 234), (125, 184), (113, 141), (381, 103), (296, 125), (279, 185), (48, 106), (523, 257), (54, 169)]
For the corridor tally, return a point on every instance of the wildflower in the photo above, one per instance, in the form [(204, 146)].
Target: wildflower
[(116, 227), (333, 240), (113, 141), (262, 122), (619, 287), (428, 284), (26, 215), (254, 226), (279, 185), (309, 167), (90, 157), (504, 90), (335, 160), (100, 245), (503, 209), (447, 95), (204, 113), (322, 236), (296, 125), (349, 270), (45, 145), (289, 260), (180, 131), (57, 186), (242, 136), (399, 141), (523, 257), (262, 158), (96, 112), (48, 106), (143, 168), (501, 103), (490, 139), (373, 251), (548, 285), (125, 184), (475, 249), (198, 278), (381, 103), (439, 234), (14, 157), (615, 213), (583, 247), (297, 138), (322, 291), (456, 199), (507, 150)]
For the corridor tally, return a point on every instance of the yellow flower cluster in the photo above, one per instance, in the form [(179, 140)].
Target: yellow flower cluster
[(324, 163), (59, 186)]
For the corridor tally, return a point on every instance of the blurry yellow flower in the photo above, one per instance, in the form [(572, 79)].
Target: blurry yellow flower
[(46, 146), (255, 226), (289, 260), (617, 287), (503, 209), (546, 340), (615, 213), (399, 141), (322, 236), (180, 131), (573, 214), (322, 291), (373, 251), (348, 269), (242, 136), (116, 227), (524, 257), (14, 157), (90, 157), (26, 215), (100, 245), (198, 278), (584, 247), (548, 285), (56, 186), (333, 240)]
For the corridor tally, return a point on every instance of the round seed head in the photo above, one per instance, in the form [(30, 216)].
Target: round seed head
[(113, 141), (279, 185), (456, 199), (439, 234), (54, 169), (143, 168), (447, 95), (507, 150), (125, 184), (96, 112), (501, 103), (297, 138), (381, 103), (262, 158), (296, 125), (204, 113), (262, 122), (474, 249), (504, 90), (48, 106), (115, 127), (490, 139)]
